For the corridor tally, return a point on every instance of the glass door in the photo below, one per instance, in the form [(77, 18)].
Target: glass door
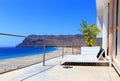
[(118, 44), (118, 31)]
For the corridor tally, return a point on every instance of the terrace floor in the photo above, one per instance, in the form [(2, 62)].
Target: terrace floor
[(53, 71), (77, 73)]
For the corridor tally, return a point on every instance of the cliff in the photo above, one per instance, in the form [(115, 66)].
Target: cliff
[(54, 40)]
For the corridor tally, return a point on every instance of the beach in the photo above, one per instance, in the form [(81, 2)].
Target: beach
[(17, 63)]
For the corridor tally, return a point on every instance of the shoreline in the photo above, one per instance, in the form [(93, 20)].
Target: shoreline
[(21, 62)]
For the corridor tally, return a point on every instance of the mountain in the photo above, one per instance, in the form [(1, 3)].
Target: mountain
[(54, 40)]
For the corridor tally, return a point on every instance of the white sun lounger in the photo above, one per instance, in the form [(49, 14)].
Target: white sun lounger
[(85, 58)]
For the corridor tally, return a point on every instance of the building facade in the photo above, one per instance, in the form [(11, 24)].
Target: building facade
[(108, 14)]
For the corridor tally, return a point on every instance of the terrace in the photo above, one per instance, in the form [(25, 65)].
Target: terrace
[(48, 67)]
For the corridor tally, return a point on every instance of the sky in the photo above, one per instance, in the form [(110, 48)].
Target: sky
[(43, 17)]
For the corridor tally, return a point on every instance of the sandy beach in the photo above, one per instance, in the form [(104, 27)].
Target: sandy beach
[(17, 63)]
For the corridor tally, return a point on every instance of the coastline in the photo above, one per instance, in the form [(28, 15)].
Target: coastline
[(17, 63)]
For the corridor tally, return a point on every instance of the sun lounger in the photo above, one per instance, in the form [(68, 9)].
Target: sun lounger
[(85, 58)]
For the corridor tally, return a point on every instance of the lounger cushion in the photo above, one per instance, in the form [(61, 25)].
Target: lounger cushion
[(79, 58), (82, 58)]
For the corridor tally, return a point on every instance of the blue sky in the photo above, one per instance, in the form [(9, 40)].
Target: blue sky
[(26, 17)]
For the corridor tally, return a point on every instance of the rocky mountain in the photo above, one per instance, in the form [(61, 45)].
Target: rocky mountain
[(54, 40)]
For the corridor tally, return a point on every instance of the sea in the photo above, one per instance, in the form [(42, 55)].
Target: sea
[(15, 52)]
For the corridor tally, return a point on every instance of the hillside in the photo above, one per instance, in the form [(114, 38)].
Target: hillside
[(54, 40)]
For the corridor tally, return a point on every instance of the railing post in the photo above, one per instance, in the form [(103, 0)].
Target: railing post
[(44, 52), (63, 50)]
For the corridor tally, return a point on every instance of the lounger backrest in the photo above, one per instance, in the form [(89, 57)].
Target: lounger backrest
[(101, 53), (90, 50)]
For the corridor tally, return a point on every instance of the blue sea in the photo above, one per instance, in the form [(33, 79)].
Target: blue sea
[(15, 52)]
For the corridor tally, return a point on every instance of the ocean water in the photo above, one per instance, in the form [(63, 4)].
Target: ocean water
[(13, 52)]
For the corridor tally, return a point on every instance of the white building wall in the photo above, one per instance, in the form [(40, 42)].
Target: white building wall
[(100, 27), (105, 28)]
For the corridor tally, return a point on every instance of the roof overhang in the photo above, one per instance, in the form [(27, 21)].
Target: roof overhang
[(100, 6)]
